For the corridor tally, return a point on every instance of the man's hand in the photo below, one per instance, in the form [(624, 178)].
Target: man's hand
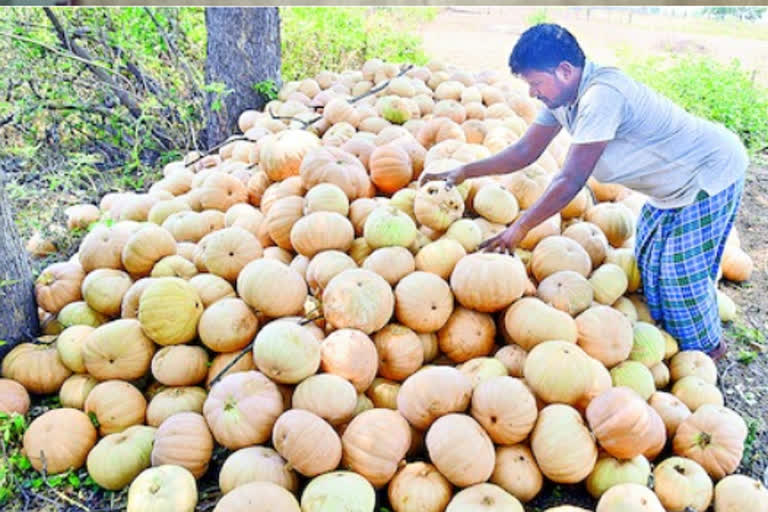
[(506, 241), (453, 177)]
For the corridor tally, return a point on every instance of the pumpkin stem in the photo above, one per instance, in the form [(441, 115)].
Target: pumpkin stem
[(704, 439), (680, 469)]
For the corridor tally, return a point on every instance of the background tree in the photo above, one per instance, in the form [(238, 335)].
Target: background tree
[(18, 311), (243, 56)]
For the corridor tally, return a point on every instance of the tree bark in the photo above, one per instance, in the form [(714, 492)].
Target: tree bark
[(243, 50), (18, 309)]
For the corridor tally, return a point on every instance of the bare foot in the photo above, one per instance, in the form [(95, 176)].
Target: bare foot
[(719, 351)]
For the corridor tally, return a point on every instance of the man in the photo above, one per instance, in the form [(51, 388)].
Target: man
[(622, 132)]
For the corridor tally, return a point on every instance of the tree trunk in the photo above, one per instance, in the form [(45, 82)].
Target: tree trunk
[(243, 50), (18, 309)]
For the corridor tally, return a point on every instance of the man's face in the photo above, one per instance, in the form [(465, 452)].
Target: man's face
[(553, 88)]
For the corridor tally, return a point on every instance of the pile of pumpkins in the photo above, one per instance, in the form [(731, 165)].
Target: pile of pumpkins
[(300, 300)]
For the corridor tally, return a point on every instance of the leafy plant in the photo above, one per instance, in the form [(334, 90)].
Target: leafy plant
[(267, 89), (722, 93)]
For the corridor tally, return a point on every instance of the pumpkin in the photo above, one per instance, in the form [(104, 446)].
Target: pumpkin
[(738, 492), (70, 346), (359, 299), (13, 397), (516, 472), (433, 392), (506, 409), (682, 484), (80, 313), (736, 264), (437, 206), (418, 486), (714, 437), (258, 496), (329, 396), (165, 208), (591, 238), (391, 168), (338, 490), (281, 154), (439, 257), (513, 358), (629, 497), (387, 226), (272, 288), (58, 285), (374, 443), (75, 390), (115, 405), (671, 410), (184, 440), (558, 371), (118, 458), (466, 232), (242, 408), (103, 290), (320, 231), (169, 310), (556, 253), (647, 345), (326, 197), (484, 497), (660, 374), (307, 442), (615, 220), (621, 422), (695, 392), (625, 258), (496, 204), (567, 291), (609, 283), (605, 334), (102, 247), (460, 449), (466, 334), (281, 217), (529, 322), (562, 444), (488, 282), (180, 365), (635, 376), (391, 263), (256, 464), (174, 400), (59, 440), (146, 247), (693, 363), (37, 367), (162, 488), (227, 325), (350, 353), (227, 251), (118, 350), (609, 472), (174, 266), (383, 393), (286, 352)]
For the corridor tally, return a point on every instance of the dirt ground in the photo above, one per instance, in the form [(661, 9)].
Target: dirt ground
[(476, 39)]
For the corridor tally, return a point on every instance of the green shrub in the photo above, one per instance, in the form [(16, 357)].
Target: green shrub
[(317, 38), (722, 93)]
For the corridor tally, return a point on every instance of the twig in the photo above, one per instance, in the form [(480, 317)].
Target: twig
[(232, 363), (292, 118), (58, 492), (382, 86), (218, 146)]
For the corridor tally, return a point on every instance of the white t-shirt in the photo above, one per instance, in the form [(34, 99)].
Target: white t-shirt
[(655, 147)]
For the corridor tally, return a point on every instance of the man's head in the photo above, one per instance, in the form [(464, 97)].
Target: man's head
[(550, 60)]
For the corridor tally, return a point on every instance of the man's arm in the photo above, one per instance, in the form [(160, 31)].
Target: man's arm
[(579, 165), (517, 156)]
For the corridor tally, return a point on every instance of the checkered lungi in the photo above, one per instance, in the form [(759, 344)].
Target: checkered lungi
[(678, 252)]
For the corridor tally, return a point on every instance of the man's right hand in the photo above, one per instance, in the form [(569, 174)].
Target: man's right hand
[(453, 177)]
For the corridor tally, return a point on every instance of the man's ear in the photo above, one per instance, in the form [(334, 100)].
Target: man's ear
[(565, 71)]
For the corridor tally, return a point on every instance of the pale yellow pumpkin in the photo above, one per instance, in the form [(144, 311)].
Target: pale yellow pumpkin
[(460, 449), (562, 444)]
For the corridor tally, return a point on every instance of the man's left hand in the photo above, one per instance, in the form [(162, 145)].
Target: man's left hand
[(506, 241)]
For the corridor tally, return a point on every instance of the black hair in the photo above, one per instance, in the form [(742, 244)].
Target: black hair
[(543, 47)]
